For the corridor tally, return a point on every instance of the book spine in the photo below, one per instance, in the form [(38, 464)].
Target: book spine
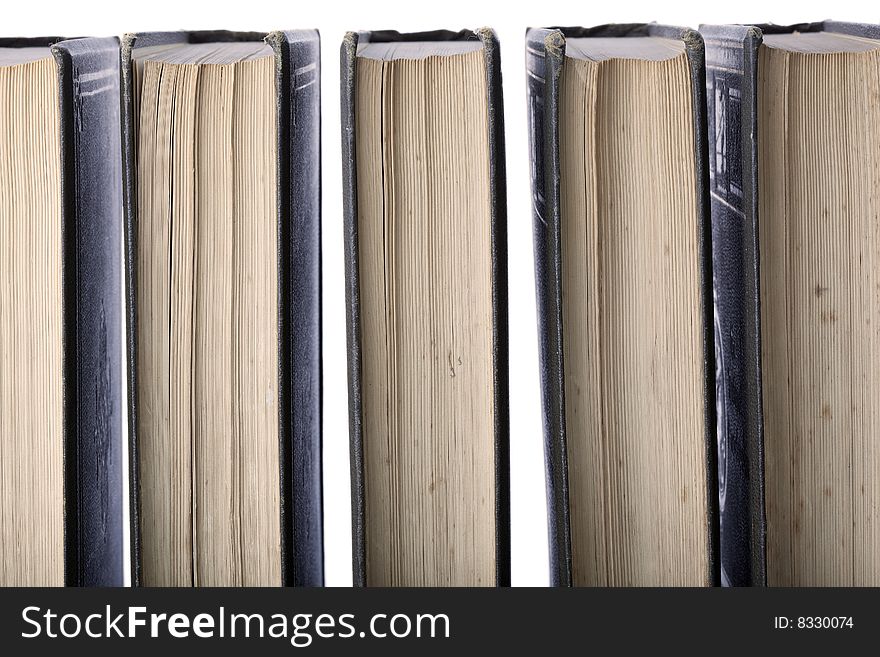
[(129, 200), (731, 77), (348, 78), (545, 53), (299, 275), (91, 199), (498, 209), (696, 55)]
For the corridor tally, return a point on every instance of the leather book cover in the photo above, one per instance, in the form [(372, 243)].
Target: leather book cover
[(91, 200), (545, 59), (298, 89)]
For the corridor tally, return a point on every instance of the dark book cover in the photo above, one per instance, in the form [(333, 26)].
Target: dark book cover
[(498, 207), (545, 59), (298, 90), (91, 215), (731, 82)]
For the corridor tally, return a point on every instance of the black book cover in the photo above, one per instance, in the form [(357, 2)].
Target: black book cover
[(498, 204), (731, 79), (298, 89), (91, 215), (545, 59)]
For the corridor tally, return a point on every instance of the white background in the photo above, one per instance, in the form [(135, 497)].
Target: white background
[(333, 19)]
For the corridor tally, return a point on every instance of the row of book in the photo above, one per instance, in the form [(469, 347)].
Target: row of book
[(708, 381)]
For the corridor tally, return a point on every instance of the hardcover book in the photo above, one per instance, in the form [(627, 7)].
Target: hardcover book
[(60, 313), (426, 296), (623, 270), (793, 118), (221, 132)]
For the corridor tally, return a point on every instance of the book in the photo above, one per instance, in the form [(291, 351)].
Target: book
[(222, 199), (792, 112), (61, 515), (426, 297), (623, 273)]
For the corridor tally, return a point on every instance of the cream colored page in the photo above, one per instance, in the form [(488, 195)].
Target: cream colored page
[(819, 171), (31, 440), (426, 321), (208, 322), (632, 324)]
